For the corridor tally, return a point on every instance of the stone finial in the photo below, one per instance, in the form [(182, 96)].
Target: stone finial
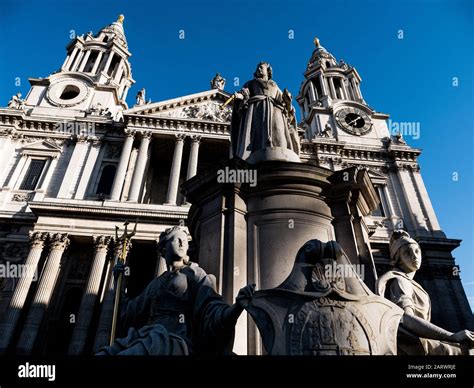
[(120, 19), (316, 42)]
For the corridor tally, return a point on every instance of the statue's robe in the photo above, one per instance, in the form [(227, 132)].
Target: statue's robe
[(178, 313), (405, 292), (260, 121)]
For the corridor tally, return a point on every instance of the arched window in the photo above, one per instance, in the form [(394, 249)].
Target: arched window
[(328, 64), (106, 180)]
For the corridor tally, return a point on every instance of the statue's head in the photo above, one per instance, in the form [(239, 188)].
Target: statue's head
[(405, 253), (173, 244), (263, 70)]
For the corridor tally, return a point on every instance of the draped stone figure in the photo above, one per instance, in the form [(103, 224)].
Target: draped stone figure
[(324, 308), (180, 312), (399, 286), (263, 120)]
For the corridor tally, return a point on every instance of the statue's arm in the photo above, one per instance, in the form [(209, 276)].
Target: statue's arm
[(425, 329), (233, 312)]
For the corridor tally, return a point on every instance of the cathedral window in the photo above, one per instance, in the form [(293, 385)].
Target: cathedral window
[(33, 174), (379, 210), (106, 180)]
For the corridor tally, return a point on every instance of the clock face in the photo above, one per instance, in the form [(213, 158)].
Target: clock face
[(354, 121)]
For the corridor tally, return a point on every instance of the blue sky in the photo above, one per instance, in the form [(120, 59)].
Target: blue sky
[(409, 78)]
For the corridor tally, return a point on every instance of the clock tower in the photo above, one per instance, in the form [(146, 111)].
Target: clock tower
[(332, 105)]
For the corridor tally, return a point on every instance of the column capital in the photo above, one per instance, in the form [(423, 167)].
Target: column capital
[(95, 140), (59, 241), (101, 242), (37, 239), (129, 132), (81, 138), (146, 134), (179, 137), (196, 138)]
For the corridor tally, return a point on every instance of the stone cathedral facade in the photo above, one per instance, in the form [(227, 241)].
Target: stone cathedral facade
[(76, 162)]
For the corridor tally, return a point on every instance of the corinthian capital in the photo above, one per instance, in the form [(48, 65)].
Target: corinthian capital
[(59, 241), (101, 243), (129, 132), (179, 137), (37, 239), (196, 138)]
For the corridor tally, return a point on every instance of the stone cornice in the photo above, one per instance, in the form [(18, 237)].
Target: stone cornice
[(66, 210)]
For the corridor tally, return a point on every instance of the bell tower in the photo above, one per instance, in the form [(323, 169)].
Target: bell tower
[(332, 104), (93, 80)]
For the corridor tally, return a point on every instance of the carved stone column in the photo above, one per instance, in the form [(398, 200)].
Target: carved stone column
[(91, 294), (59, 243), (122, 166), (84, 60), (109, 61), (97, 62), (175, 170), (104, 327), (7, 327), (193, 156), (142, 159)]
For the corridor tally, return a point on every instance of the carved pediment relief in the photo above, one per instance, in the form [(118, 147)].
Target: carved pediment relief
[(209, 111), (204, 106)]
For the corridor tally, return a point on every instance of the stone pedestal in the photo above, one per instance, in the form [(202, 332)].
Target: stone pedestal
[(249, 231)]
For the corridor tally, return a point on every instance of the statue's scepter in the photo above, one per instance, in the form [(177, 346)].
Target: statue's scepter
[(125, 239), (227, 102)]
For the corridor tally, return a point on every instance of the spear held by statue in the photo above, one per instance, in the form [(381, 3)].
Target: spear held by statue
[(125, 241)]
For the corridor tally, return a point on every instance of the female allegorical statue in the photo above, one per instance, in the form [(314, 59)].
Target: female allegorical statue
[(398, 286), (179, 312)]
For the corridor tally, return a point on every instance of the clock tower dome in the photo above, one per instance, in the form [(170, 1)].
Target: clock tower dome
[(332, 104)]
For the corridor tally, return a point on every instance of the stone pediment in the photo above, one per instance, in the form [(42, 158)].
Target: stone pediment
[(200, 106), (376, 177), (41, 147)]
